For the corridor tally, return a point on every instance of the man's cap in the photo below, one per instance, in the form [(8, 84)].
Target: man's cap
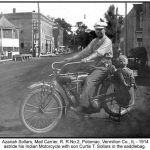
[(100, 25)]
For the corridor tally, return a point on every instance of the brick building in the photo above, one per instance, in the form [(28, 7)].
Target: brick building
[(146, 27), (137, 33), (29, 35)]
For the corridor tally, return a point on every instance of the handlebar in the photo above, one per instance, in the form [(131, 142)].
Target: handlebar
[(54, 68), (60, 62)]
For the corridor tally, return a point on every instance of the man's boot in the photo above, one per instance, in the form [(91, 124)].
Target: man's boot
[(79, 109)]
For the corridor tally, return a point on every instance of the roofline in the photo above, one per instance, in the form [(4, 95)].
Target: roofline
[(29, 13), (12, 27), (9, 28)]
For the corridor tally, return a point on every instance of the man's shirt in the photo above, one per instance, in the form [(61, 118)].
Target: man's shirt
[(103, 48)]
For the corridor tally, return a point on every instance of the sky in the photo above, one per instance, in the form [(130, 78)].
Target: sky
[(71, 12)]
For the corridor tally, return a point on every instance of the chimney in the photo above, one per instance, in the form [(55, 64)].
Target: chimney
[(14, 10)]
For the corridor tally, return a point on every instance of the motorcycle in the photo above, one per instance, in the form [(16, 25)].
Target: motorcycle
[(48, 102)]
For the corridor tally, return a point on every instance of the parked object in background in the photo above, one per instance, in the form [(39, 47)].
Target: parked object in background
[(138, 58), (48, 55), (22, 57), (61, 49)]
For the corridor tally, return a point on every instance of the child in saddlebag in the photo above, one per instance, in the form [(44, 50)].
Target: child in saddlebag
[(125, 83), (126, 75)]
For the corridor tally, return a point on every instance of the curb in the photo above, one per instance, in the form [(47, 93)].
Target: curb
[(5, 60)]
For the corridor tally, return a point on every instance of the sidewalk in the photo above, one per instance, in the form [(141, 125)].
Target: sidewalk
[(5, 60)]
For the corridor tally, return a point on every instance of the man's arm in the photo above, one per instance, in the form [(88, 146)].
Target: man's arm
[(104, 49), (92, 56), (84, 53)]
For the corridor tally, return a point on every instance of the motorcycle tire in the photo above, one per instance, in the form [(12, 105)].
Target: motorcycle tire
[(37, 119), (111, 105)]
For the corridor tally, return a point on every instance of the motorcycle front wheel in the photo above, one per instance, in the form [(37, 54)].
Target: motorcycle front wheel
[(111, 105), (41, 111)]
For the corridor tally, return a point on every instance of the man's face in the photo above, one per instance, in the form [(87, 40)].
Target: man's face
[(99, 32)]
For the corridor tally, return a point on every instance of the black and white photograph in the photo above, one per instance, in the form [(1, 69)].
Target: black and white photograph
[(75, 69)]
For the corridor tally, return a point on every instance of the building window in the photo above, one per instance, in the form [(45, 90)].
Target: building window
[(9, 49), (7, 33), (22, 45), (141, 20), (140, 42), (15, 34), (16, 49)]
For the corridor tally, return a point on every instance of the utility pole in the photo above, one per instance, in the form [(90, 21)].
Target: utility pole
[(35, 31), (39, 31), (126, 39), (74, 31), (116, 24)]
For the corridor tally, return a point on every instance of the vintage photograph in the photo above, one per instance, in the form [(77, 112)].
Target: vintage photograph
[(75, 69)]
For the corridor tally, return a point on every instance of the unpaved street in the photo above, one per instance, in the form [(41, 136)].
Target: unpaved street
[(15, 77)]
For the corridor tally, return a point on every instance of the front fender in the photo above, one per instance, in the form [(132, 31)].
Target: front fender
[(38, 84)]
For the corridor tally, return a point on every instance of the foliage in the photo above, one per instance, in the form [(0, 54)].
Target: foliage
[(81, 38), (67, 30), (114, 23), (81, 34), (139, 52)]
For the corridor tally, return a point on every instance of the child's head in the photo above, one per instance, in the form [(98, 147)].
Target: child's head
[(123, 61)]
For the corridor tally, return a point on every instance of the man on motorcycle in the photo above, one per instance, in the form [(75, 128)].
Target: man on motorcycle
[(99, 50)]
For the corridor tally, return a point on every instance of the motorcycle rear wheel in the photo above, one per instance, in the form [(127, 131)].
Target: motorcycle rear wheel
[(38, 119), (111, 105)]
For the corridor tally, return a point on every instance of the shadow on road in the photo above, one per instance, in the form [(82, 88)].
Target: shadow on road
[(135, 124)]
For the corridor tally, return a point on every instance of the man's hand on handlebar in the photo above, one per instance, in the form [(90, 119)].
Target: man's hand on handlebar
[(85, 60)]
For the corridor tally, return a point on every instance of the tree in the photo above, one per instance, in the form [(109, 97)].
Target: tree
[(113, 30), (67, 30), (114, 21), (81, 34)]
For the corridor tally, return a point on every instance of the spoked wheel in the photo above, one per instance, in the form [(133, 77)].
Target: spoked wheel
[(41, 111), (111, 104)]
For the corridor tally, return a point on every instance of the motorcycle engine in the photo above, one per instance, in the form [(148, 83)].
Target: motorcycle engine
[(95, 103)]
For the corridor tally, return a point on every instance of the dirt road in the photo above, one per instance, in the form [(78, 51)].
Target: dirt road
[(15, 77)]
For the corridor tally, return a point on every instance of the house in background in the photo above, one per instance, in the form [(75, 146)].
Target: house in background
[(137, 33), (146, 27), (9, 39)]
